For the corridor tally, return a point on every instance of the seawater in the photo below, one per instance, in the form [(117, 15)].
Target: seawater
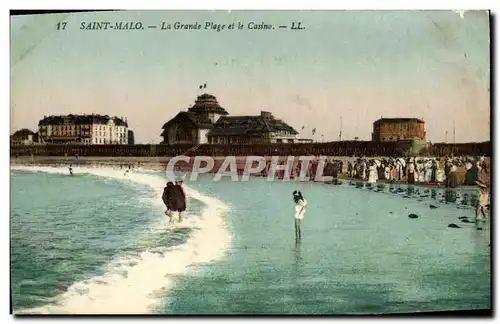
[(359, 254), (108, 248), (98, 242)]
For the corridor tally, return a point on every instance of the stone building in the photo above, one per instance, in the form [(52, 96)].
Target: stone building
[(399, 129), (24, 137), (83, 129)]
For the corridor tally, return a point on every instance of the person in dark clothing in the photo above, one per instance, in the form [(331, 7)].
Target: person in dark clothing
[(335, 170), (484, 166), (167, 199), (182, 188), (434, 169), (472, 175), (174, 199), (451, 179), (447, 168), (70, 170), (349, 169)]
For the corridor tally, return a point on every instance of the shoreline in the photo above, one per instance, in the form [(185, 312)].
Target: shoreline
[(159, 164)]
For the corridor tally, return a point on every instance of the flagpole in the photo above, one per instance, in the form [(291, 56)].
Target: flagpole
[(340, 135), (454, 142), (454, 131)]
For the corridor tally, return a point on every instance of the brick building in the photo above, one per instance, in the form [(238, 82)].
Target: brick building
[(398, 129)]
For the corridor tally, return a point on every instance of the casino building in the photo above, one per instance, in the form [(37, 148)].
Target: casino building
[(399, 129), (206, 122)]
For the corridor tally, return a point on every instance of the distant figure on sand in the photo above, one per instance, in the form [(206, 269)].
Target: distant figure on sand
[(372, 172), (175, 200), (451, 178), (484, 201), (300, 209), (70, 170)]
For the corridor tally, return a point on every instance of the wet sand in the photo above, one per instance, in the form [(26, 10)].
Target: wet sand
[(160, 163)]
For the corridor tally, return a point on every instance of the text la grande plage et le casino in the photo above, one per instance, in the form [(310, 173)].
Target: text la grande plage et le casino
[(137, 25)]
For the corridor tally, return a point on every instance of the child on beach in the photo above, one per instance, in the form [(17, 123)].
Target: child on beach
[(484, 198), (300, 209)]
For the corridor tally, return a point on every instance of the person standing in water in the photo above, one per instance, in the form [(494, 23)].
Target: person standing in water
[(300, 208), (183, 189), (70, 170), (174, 199), (484, 200), (167, 200)]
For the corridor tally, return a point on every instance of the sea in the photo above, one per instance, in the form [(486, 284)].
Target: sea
[(99, 242)]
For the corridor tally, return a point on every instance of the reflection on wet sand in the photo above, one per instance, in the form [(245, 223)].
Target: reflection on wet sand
[(467, 197)]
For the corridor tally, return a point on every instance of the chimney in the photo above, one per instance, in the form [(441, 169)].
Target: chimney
[(266, 115)]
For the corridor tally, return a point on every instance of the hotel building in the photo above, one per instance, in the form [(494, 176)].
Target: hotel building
[(83, 129)]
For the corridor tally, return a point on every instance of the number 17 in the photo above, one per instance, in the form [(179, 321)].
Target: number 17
[(61, 26)]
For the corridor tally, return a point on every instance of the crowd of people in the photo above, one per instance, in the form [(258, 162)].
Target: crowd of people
[(424, 170)]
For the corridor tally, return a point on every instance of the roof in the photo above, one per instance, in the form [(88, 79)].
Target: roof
[(248, 125), (81, 120), (278, 124), (23, 132), (200, 121), (207, 103), (398, 120)]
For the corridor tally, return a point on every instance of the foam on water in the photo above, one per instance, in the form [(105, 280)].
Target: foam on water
[(131, 284)]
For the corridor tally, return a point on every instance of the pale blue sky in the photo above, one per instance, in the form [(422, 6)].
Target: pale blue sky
[(358, 65)]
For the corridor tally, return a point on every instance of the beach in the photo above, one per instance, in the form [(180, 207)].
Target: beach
[(160, 163), (307, 162), (112, 251)]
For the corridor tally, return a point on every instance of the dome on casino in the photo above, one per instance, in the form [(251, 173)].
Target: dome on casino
[(207, 103)]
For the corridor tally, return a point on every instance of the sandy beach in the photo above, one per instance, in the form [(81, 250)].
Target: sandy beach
[(160, 163)]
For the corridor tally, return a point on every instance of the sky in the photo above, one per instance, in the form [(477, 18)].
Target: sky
[(354, 66)]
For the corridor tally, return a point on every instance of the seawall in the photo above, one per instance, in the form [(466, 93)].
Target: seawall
[(344, 148)]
